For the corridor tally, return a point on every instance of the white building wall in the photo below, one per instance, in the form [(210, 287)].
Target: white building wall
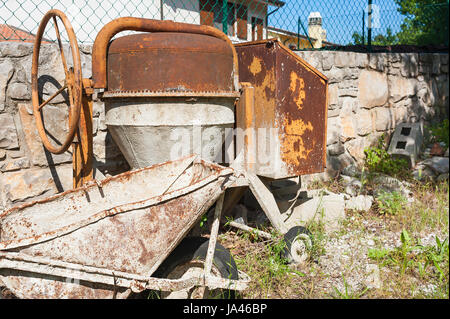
[(88, 17), (182, 11)]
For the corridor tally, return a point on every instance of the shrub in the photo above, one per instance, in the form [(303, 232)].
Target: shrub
[(440, 132), (379, 160)]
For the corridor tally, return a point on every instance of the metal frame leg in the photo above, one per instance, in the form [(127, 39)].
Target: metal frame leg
[(214, 234), (267, 202)]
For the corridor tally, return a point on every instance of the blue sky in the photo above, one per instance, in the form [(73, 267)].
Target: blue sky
[(340, 17)]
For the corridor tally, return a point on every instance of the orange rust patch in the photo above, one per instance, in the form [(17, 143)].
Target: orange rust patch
[(297, 87), (255, 67), (293, 145)]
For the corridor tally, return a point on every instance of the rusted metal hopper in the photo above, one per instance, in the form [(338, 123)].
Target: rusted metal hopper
[(289, 110), (161, 86)]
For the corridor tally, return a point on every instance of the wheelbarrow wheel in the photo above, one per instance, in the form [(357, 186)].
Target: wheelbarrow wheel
[(188, 259), (298, 245)]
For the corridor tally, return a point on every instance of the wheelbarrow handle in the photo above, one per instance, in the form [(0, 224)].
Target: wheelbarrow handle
[(99, 51)]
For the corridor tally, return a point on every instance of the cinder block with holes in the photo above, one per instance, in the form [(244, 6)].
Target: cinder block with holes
[(407, 141)]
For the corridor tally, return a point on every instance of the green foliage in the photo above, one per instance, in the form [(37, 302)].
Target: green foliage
[(390, 202), (415, 257), (379, 39), (440, 132), (203, 220), (426, 22), (378, 160), (276, 263)]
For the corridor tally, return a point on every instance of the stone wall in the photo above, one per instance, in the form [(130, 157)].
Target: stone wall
[(368, 95), (27, 170)]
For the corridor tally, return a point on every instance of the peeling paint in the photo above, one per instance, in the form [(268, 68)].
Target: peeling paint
[(297, 87), (255, 66), (293, 142)]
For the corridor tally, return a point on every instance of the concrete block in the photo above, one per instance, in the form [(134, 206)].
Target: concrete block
[(407, 141), (326, 208)]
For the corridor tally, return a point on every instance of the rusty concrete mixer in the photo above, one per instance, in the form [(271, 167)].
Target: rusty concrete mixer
[(129, 235), (257, 105)]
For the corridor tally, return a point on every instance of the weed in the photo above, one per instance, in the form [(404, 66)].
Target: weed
[(379, 160), (413, 256), (277, 264), (390, 202), (319, 238), (203, 220), (440, 132)]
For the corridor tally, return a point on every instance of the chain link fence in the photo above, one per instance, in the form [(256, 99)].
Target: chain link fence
[(299, 24)]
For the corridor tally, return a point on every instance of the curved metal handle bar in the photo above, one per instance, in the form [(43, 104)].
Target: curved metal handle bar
[(99, 51)]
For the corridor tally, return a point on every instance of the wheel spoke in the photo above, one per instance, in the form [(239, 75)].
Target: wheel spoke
[(63, 58), (53, 96)]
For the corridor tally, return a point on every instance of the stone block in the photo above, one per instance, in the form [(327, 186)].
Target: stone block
[(372, 89), (436, 64), (335, 75), (356, 149), (361, 60), (338, 163), (6, 72), (359, 203), (401, 88), (29, 184), (336, 149), (364, 123), (19, 91), (333, 96), (327, 60), (383, 119), (14, 164), (344, 59), (333, 130), (407, 141), (440, 165), (401, 114), (348, 123), (328, 208), (8, 133), (55, 123), (15, 49), (378, 61)]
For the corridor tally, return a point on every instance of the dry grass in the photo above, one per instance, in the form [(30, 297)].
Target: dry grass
[(339, 270)]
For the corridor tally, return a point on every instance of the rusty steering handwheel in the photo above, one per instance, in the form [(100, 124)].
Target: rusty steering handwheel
[(72, 82)]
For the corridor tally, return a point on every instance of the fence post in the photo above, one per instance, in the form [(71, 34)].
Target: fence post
[(363, 31), (369, 35), (299, 23), (225, 17)]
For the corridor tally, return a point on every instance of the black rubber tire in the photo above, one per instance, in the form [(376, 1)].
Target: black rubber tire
[(289, 238), (194, 248)]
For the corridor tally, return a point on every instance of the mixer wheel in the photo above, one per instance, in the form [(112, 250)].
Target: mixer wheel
[(72, 82), (298, 244), (188, 259)]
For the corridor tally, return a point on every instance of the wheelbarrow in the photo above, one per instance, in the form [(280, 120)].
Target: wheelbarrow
[(121, 237)]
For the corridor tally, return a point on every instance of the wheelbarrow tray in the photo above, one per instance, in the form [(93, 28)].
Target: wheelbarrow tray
[(126, 224)]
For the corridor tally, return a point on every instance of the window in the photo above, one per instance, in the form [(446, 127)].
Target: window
[(224, 13), (215, 13), (257, 29), (242, 21)]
